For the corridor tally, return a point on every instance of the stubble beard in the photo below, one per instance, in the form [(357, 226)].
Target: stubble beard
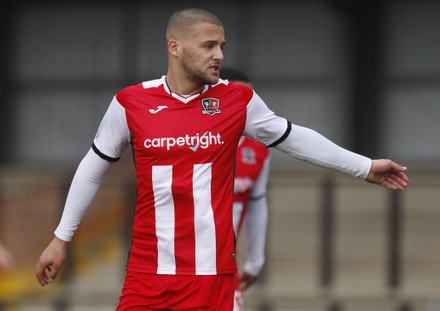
[(196, 75)]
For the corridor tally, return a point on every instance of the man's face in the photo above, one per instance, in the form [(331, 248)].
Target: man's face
[(202, 53)]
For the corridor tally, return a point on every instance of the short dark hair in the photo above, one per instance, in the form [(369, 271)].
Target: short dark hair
[(234, 74), (185, 19)]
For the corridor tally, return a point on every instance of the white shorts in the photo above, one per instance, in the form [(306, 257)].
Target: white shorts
[(238, 301)]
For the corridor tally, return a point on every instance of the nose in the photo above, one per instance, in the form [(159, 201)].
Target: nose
[(218, 54)]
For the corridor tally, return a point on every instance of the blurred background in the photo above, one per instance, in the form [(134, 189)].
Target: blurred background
[(366, 74)]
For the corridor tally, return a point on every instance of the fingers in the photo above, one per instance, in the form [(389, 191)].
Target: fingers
[(398, 178), (388, 174), (395, 181), (46, 273), (41, 275), (50, 261), (247, 281), (396, 167), (401, 180), (244, 285)]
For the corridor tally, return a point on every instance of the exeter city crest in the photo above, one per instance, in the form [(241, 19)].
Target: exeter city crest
[(211, 106), (248, 156)]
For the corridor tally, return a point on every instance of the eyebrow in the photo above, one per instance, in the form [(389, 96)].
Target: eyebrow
[(223, 43)]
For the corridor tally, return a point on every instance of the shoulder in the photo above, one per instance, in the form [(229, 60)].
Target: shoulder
[(128, 91), (241, 90), (123, 94)]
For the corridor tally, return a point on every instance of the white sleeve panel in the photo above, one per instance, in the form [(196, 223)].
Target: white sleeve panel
[(262, 124), (113, 134), (85, 184), (255, 227), (260, 187), (302, 143), (308, 145)]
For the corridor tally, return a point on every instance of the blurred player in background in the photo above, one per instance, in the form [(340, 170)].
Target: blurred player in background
[(250, 203)]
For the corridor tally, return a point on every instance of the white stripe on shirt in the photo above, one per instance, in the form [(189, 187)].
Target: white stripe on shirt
[(204, 224), (164, 206)]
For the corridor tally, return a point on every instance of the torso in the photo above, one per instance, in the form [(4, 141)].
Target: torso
[(184, 155)]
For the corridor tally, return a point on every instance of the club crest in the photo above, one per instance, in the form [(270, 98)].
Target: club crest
[(248, 156), (211, 106)]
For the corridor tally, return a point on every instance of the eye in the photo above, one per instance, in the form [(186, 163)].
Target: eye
[(209, 44)]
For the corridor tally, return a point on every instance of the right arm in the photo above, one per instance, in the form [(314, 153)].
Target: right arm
[(112, 137), (86, 183)]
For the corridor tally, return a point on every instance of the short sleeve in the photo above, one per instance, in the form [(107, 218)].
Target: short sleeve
[(262, 124), (113, 134)]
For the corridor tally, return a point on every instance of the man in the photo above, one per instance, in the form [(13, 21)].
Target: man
[(184, 129), (250, 203)]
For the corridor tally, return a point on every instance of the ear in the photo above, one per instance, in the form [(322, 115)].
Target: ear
[(174, 47)]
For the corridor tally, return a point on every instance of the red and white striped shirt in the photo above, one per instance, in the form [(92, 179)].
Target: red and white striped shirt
[(251, 174), (184, 152)]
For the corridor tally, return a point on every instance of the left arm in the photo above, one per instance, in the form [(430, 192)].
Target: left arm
[(256, 229), (310, 146)]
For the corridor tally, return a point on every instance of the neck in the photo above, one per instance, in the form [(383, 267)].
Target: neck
[(182, 85)]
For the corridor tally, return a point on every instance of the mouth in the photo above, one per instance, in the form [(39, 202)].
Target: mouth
[(215, 69)]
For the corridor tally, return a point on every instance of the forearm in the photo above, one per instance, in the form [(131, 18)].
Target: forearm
[(85, 184), (308, 145), (255, 235)]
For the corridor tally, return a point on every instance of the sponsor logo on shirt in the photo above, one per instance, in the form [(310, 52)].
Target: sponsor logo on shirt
[(193, 142), (211, 106), (242, 184)]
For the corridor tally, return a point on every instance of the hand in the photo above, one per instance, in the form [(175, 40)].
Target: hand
[(51, 261), (388, 174), (246, 281), (7, 261)]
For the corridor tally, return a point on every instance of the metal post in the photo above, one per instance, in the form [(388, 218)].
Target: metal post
[(335, 306), (364, 21), (405, 306), (6, 84), (265, 306), (394, 240)]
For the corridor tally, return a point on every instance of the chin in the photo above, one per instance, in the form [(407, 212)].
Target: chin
[(215, 79), (208, 79)]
